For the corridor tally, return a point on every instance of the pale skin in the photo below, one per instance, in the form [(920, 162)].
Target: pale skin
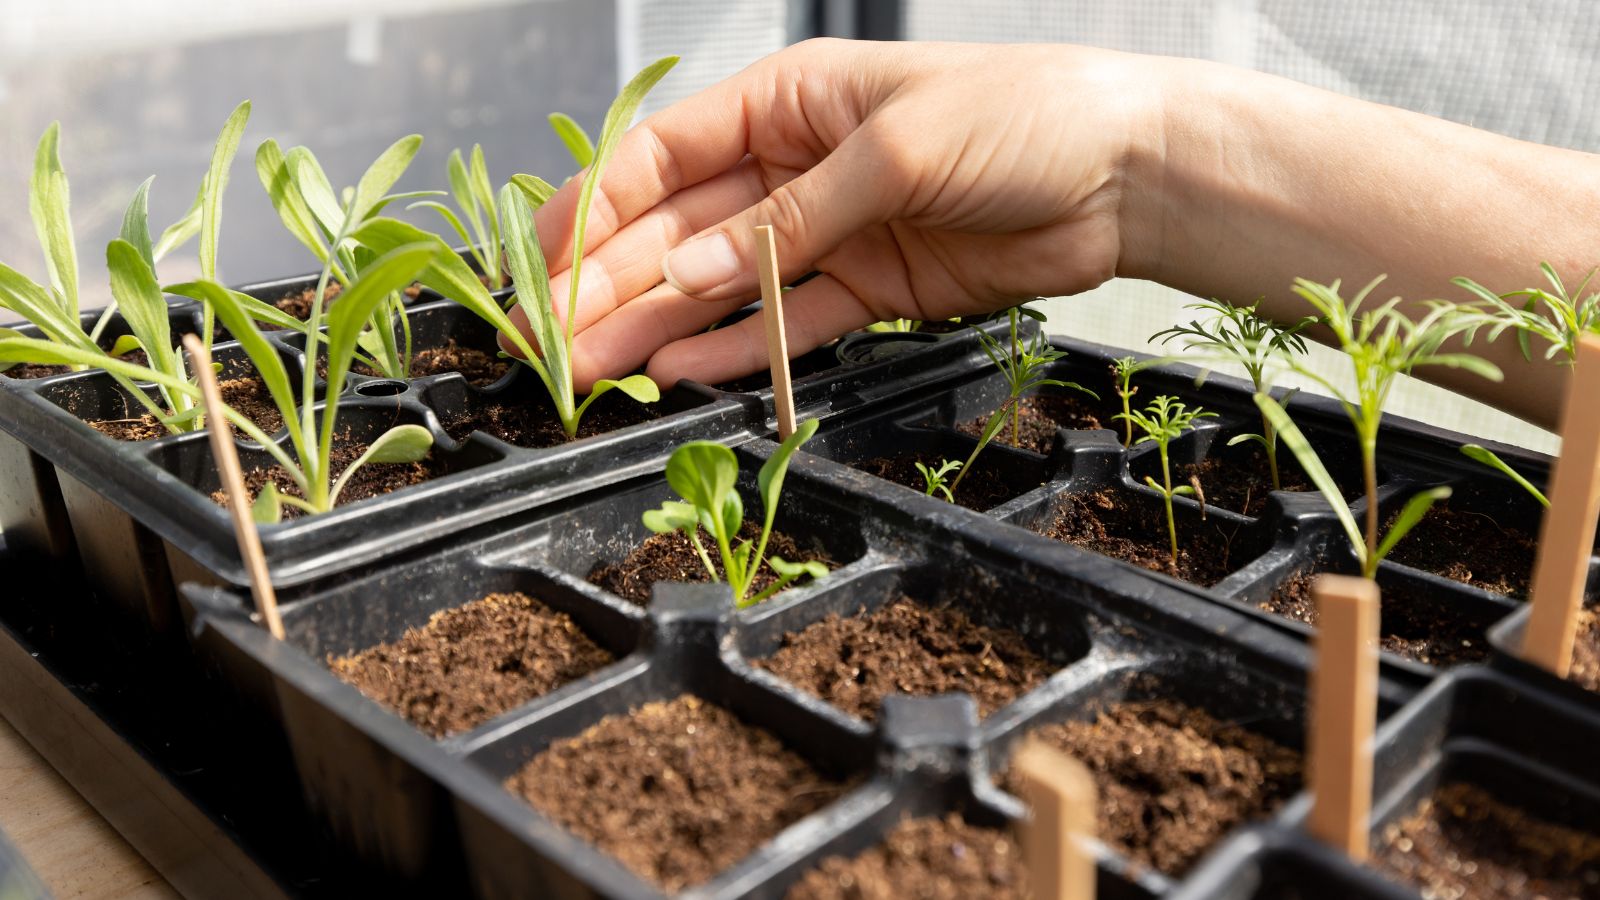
[(925, 181)]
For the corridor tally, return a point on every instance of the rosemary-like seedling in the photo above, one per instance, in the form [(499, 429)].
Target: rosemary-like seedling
[(1122, 371), (935, 478), (1242, 335), (1163, 420)]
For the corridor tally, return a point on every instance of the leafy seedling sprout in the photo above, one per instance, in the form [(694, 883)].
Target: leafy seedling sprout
[(1163, 420), (1382, 344), (1240, 334), (706, 476), (936, 478), (1023, 368), (550, 352), (474, 196), (1122, 371)]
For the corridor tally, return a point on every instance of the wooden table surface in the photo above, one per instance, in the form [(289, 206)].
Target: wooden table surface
[(74, 851)]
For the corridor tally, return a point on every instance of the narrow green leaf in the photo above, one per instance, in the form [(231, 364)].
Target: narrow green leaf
[(770, 480), (574, 138), (178, 233), (318, 193), (136, 222), (1489, 458), (137, 292), (391, 272), (49, 203), (213, 186), (32, 301), (272, 168), (1410, 515), (535, 189), (262, 311), (383, 173), (532, 279), (461, 188), (1292, 438)]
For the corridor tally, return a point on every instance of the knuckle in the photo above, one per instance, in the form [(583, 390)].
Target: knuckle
[(785, 212)]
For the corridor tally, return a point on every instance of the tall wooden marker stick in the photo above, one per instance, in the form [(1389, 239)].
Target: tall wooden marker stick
[(244, 525), (1055, 838), (1344, 708), (777, 339), (1567, 534)]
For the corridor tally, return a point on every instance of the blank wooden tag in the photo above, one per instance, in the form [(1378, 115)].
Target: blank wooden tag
[(1566, 537), (1056, 837), (1344, 710), (777, 338)]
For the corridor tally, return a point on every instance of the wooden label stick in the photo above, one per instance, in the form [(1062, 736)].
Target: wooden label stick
[(1565, 538), (244, 525), (1056, 837), (777, 339), (1344, 710)]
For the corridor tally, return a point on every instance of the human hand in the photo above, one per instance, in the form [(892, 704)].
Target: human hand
[(922, 181)]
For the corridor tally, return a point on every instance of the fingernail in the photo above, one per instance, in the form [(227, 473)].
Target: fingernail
[(701, 264)]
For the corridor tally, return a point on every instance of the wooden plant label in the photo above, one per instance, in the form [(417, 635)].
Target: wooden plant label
[(1056, 837), (227, 455), (777, 339), (1567, 534), (1344, 709)]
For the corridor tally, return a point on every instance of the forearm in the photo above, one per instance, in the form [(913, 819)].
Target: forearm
[(1247, 181)]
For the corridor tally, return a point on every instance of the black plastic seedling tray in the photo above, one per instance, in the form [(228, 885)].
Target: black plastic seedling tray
[(146, 519), (1524, 747), (389, 791)]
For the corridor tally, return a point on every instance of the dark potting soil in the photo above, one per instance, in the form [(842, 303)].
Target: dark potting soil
[(29, 371), (371, 480), (1109, 524), (533, 423), (1173, 779), (677, 791), (247, 396), (1471, 548), (931, 859), (473, 662), (671, 557), (907, 648), (981, 490), (1463, 843), (298, 303), (1040, 417), (1585, 669), (478, 367), (1410, 626), (1240, 486)]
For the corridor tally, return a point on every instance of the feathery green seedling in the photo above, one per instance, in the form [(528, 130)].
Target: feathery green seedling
[(1382, 344), (474, 196), (1242, 335), (706, 476), (550, 352), (1122, 371), (935, 479), (1023, 368), (1163, 420), (324, 222)]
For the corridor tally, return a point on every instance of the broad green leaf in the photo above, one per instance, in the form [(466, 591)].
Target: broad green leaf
[(267, 510), (137, 292), (536, 189), (617, 120), (383, 173), (1410, 515), (703, 473), (1292, 438), (672, 516), (213, 186), (49, 203), (272, 168), (136, 222), (639, 387), (1489, 458), (574, 137), (312, 182)]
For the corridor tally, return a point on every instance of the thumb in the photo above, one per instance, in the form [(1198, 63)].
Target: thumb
[(810, 216)]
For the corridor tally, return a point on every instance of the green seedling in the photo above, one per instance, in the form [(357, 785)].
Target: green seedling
[(474, 196), (131, 260), (549, 354), (1479, 453), (1240, 334), (324, 221), (1382, 344), (1023, 367), (1122, 371), (574, 138), (706, 476), (1163, 420), (1558, 316), (895, 326), (935, 479)]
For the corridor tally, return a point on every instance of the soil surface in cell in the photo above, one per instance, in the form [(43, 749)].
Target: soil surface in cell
[(1172, 779), (478, 367), (853, 662), (532, 422), (29, 371), (1463, 843), (247, 396), (371, 480), (677, 791), (1585, 670), (672, 557), (1039, 417), (473, 662), (1107, 523), (1416, 627), (983, 488), (298, 303), (1236, 485), (1471, 548), (925, 858)]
